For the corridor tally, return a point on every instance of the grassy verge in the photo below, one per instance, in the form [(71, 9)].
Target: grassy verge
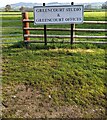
[(68, 76)]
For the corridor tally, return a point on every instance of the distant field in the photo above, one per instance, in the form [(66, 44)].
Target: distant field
[(54, 81)]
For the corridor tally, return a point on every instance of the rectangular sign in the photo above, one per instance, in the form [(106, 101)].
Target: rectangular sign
[(58, 14)]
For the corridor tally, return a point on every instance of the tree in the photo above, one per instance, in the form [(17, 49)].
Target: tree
[(22, 9), (104, 6), (7, 8), (88, 6)]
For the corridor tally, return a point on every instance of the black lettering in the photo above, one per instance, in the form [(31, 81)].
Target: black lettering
[(66, 19), (61, 19), (58, 15), (61, 9)]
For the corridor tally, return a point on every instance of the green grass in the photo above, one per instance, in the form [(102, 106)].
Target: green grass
[(98, 16), (69, 74)]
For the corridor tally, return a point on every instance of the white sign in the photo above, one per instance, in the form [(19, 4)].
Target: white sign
[(58, 14)]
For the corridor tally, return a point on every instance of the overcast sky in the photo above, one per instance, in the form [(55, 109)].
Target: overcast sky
[(5, 2)]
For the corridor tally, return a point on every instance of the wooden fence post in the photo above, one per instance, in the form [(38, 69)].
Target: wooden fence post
[(45, 35), (72, 25), (25, 25)]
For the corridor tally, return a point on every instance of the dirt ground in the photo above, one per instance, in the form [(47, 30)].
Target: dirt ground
[(23, 101)]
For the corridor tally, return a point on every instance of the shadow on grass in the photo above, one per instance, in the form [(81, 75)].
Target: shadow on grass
[(40, 46)]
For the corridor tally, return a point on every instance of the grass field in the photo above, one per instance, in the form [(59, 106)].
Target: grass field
[(54, 81)]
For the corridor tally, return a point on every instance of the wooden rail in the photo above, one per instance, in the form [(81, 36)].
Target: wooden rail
[(87, 22), (63, 36), (68, 29)]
